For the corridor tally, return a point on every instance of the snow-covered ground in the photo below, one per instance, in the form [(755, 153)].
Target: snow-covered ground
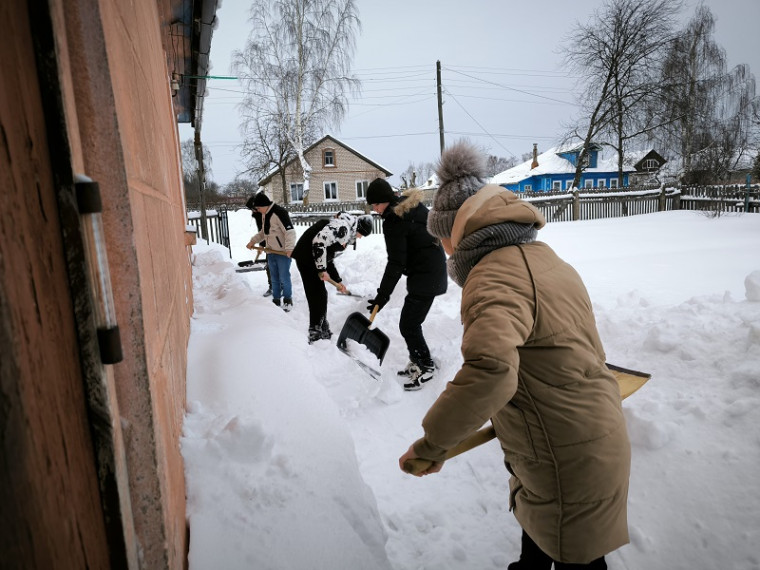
[(291, 449)]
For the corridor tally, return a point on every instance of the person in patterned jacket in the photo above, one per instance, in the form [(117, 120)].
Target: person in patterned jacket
[(314, 254)]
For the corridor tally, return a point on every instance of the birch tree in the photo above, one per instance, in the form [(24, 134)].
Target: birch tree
[(711, 111), (296, 69), (615, 55)]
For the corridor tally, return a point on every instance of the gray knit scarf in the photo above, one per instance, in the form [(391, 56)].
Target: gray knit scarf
[(482, 242)]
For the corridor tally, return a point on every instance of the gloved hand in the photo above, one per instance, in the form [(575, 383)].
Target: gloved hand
[(380, 300)]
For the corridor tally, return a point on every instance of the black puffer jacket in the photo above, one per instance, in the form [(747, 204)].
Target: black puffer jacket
[(412, 251)]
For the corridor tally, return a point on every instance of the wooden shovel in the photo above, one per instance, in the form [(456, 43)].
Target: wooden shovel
[(628, 382)]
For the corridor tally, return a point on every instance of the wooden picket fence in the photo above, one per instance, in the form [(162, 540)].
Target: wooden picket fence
[(556, 205)]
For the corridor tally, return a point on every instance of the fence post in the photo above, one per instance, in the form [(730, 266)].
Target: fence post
[(661, 202), (576, 205), (746, 194)]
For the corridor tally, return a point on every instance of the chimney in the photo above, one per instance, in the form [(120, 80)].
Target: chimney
[(534, 164)]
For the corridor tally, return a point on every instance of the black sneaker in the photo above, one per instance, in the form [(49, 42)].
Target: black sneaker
[(276, 302), (268, 292), (325, 330), (406, 371), (287, 304)]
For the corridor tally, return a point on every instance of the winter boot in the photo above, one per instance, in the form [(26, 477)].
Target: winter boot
[(315, 334), (532, 557), (268, 292), (287, 304), (418, 376), (325, 330), (276, 302)]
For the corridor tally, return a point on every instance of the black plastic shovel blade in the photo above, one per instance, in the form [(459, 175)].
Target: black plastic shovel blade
[(357, 328)]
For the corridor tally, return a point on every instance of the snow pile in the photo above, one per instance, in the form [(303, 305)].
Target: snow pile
[(291, 449)]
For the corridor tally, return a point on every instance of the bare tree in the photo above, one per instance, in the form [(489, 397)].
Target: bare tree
[(614, 55), (190, 177), (241, 187), (711, 112), (265, 145), (497, 164), (296, 68), (417, 174)]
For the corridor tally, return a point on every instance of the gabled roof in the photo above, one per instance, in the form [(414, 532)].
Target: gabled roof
[(634, 158), (306, 151), (550, 162)]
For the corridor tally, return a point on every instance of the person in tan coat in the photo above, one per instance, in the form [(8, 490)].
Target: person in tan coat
[(534, 366)]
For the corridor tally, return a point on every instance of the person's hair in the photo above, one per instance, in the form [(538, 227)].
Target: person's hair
[(364, 225)]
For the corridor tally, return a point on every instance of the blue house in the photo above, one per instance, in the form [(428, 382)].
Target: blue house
[(555, 170)]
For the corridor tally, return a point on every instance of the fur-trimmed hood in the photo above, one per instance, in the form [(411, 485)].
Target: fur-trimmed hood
[(408, 201)]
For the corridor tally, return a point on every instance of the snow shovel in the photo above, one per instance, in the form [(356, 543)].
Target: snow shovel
[(357, 328), (628, 382), (252, 265)]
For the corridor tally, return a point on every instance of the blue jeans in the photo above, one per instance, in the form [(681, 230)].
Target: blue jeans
[(279, 269)]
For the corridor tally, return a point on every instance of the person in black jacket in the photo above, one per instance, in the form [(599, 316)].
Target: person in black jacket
[(413, 252), (314, 254)]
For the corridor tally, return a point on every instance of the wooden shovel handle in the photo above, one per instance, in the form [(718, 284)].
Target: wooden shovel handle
[(416, 466), (334, 283), (267, 250), (628, 382)]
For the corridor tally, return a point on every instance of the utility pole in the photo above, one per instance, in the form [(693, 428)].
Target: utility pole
[(440, 103), (201, 183)]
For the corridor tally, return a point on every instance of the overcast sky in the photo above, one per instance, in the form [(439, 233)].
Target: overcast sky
[(503, 82)]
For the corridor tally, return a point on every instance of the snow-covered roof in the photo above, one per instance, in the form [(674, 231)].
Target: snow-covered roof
[(430, 184), (550, 162)]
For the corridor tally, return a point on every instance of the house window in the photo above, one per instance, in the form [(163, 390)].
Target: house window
[(588, 183), (568, 184), (528, 187), (557, 185), (296, 192), (331, 191), (613, 182), (329, 158), (361, 189), (601, 183)]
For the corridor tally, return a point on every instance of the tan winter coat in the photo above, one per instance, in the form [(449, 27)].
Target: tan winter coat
[(534, 365), (276, 231)]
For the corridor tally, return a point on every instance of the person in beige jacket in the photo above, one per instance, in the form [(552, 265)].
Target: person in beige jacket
[(535, 367), (280, 237)]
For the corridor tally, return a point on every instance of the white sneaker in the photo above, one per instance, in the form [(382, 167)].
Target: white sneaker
[(418, 377)]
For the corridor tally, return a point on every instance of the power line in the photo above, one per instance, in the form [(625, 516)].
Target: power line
[(511, 88), (477, 123)]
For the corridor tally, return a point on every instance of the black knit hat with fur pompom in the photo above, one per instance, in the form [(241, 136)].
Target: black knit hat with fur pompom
[(461, 173)]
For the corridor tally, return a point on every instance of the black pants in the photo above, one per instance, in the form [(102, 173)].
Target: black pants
[(533, 558), (413, 314), (316, 292)]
